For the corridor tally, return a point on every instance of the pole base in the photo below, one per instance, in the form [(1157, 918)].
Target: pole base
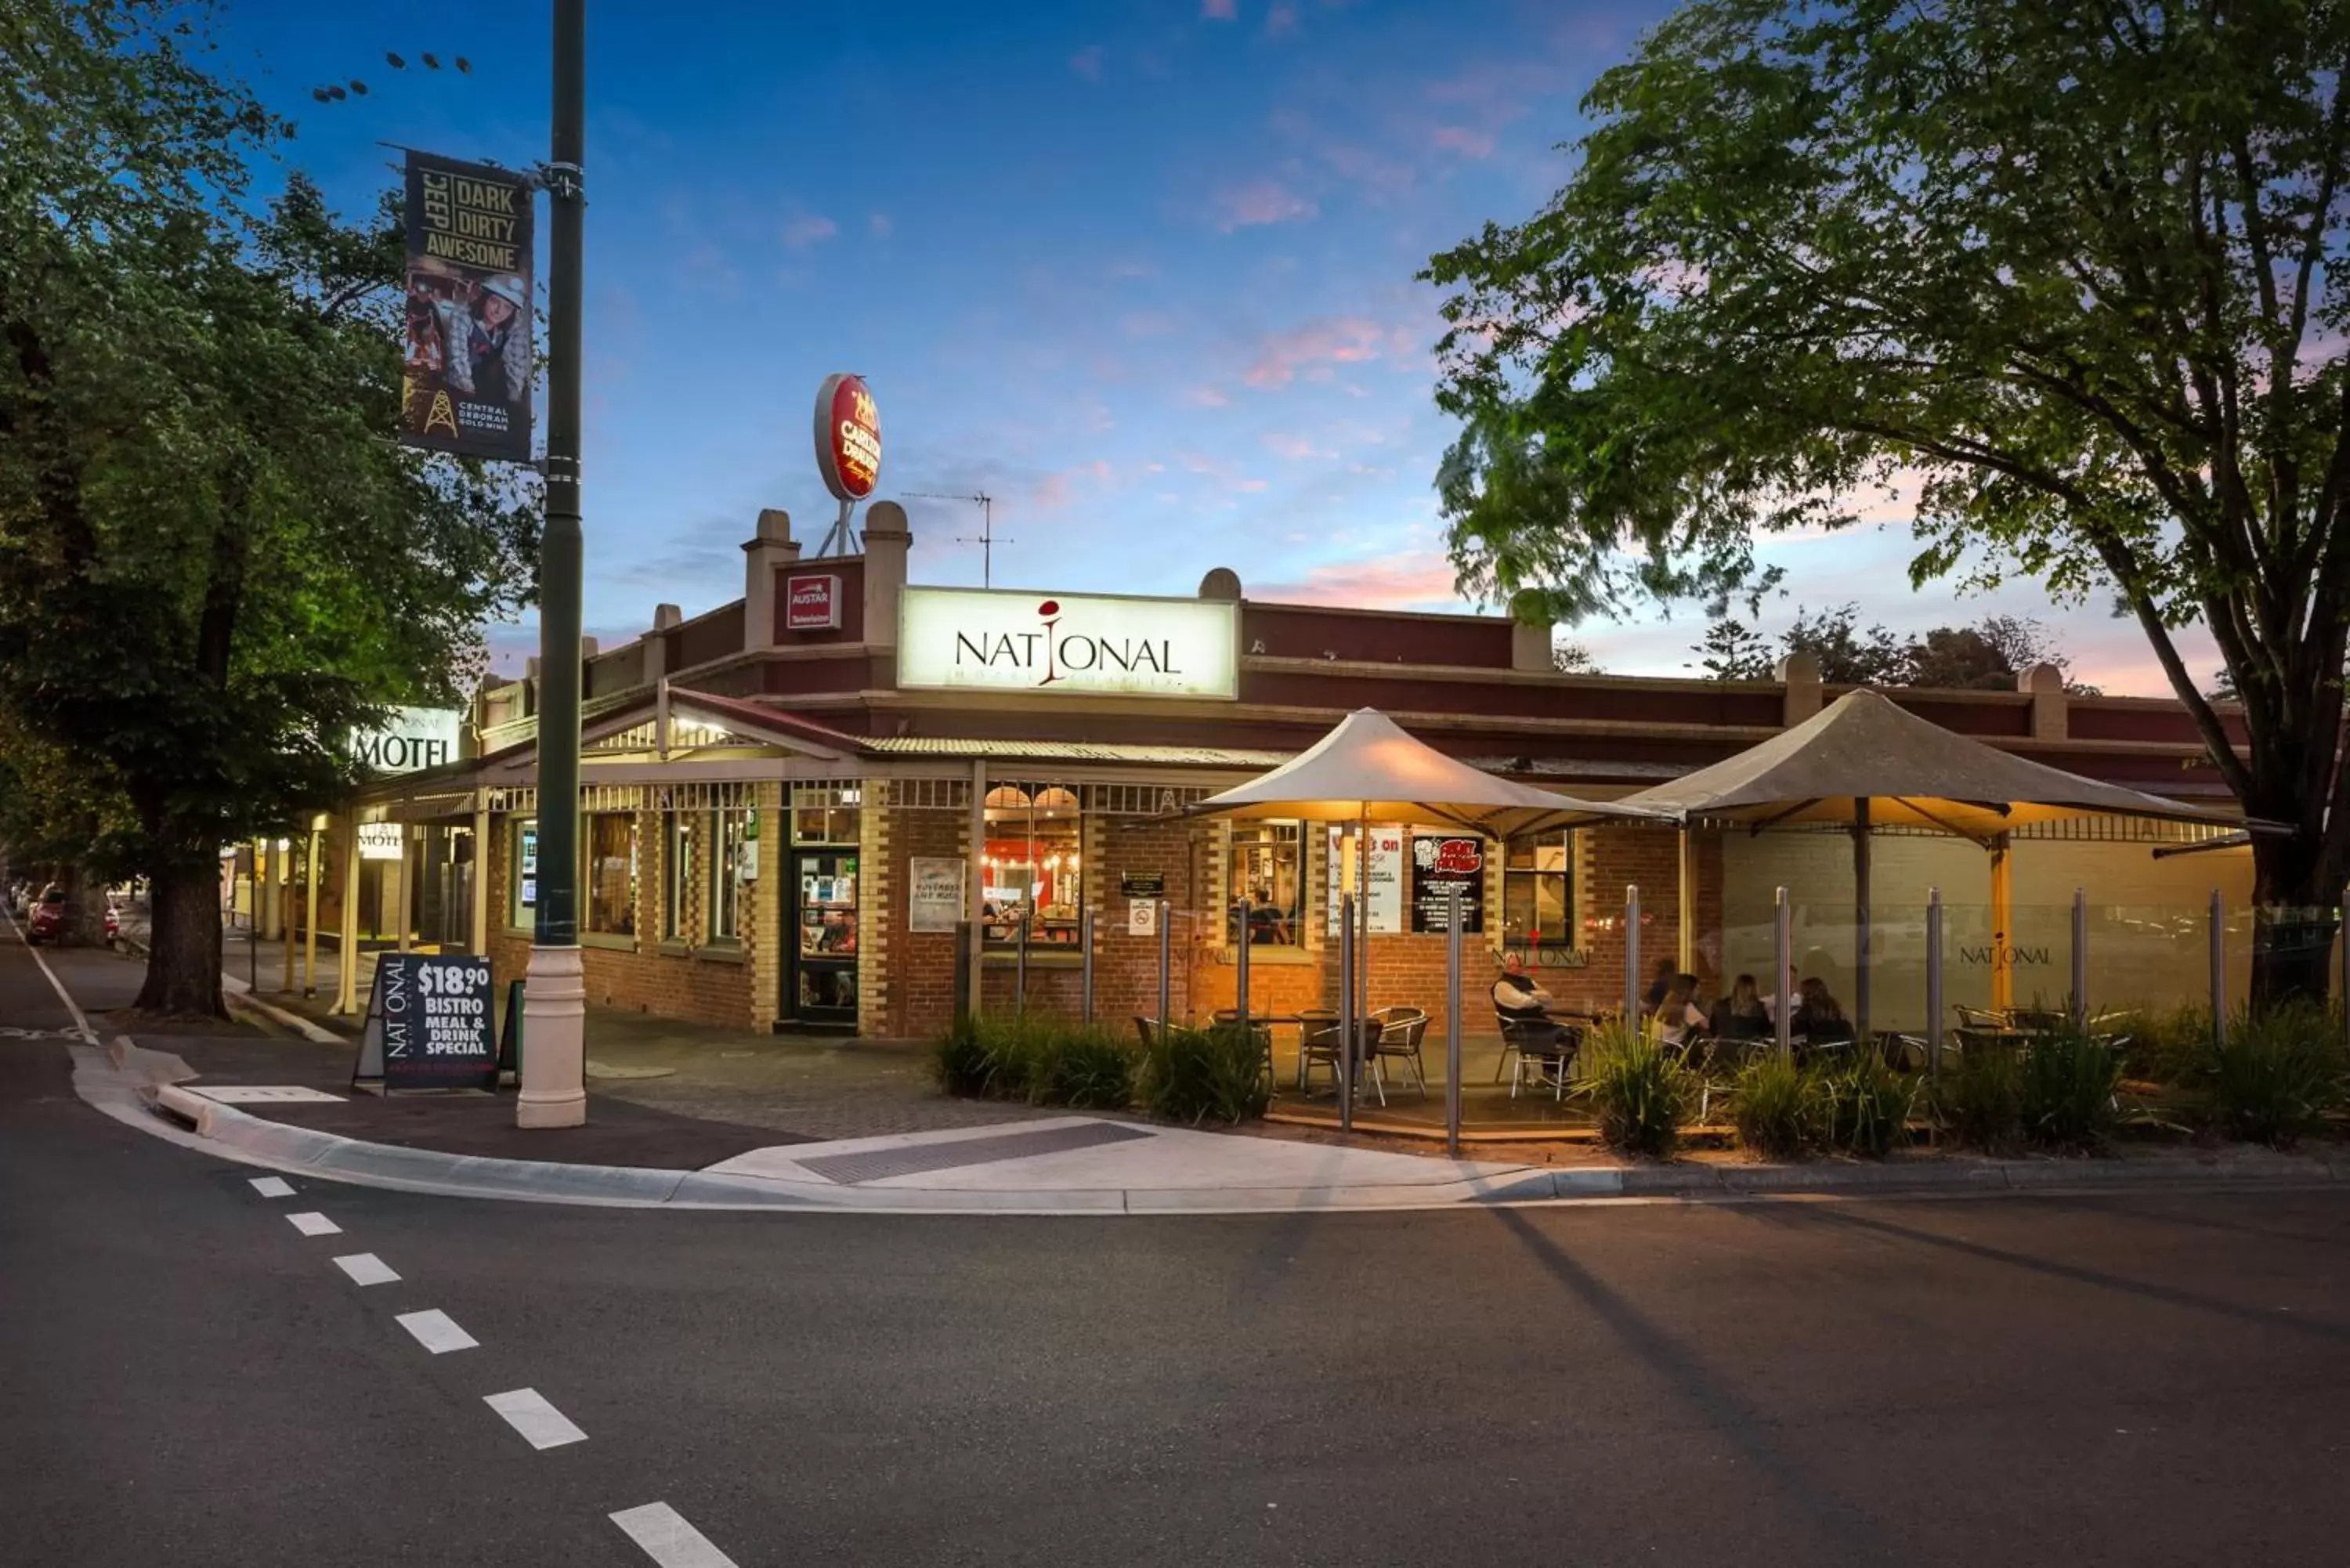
[(555, 1041)]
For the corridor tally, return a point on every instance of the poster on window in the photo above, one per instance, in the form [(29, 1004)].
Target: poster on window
[(937, 904), (1386, 874), (465, 377), (1441, 865)]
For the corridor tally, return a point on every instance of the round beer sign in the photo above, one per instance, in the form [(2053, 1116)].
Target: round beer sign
[(848, 437)]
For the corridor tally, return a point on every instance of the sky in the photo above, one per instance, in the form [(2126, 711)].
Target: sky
[(1139, 270)]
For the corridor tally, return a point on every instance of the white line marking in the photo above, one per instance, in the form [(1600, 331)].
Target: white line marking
[(80, 1023), (272, 1186), (314, 1224), (367, 1269), (668, 1539), (264, 1094), (437, 1332), (541, 1424)]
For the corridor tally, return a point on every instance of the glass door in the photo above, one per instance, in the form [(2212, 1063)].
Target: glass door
[(823, 975)]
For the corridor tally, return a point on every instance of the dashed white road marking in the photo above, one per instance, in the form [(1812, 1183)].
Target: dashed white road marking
[(541, 1424), (668, 1539), (437, 1332), (81, 1023), (313, 1223), (367, 1269), (272, 1186)]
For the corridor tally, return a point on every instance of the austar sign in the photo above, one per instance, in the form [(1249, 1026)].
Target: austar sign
[(1068, 643)]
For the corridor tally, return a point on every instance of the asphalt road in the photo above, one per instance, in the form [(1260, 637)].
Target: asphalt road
[(188, 1379)]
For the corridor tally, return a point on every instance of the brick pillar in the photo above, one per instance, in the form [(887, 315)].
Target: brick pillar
[(768, 551), (765, 934)]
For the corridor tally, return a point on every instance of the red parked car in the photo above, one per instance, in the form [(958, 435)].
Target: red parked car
[(48, 922)]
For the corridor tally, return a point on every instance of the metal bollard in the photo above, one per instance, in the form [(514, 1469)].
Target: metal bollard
[(2080, 959), (1347, 960), (2219, 970), (1165, 967), (1783, 949), (1241, 960), (1631, 954), (1086, 947), (1934, 983), (1452, 1025)]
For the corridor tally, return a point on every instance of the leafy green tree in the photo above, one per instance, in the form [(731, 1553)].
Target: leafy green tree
[(1732, 650), (1573, 658), (214, 562), (2075, 274)]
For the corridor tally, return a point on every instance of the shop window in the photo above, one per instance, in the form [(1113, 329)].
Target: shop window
[(611, 858), (1538, 891), (825, 814), (524, 864), (1268, 869), (677, 873), (729, 829), (1030, 864)]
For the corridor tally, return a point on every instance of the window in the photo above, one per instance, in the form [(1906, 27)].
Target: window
[(825, 814), (524, 865), (1268, 870), (1538, 892), (1030, 864), (728, 831), (610, 859), (677, 873)]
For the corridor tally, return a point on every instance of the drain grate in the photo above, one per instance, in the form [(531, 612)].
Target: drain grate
[(877, 1165)]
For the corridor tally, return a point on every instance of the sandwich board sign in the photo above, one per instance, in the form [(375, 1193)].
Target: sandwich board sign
[(429, 1021)]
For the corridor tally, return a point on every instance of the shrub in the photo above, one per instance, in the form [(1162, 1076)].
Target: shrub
[(2166, 1045), (1862, 1104), (2277, 1073), (959, 1058), (1089, 1068), (1194, 1076), (1640, 1091), (1771, 1106), (2066, 1081), (1981, 1099), (1042, 1060)]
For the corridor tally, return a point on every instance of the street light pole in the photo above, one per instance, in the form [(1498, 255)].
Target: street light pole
[(555, 991)]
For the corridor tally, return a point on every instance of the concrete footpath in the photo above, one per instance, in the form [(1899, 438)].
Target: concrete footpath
[(287, 1104)]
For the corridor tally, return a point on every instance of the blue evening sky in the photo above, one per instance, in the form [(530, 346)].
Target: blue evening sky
[(1141, 270)]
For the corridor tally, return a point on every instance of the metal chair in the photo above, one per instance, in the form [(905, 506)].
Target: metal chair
[(1402, 1030), (1546, 1049), (1320, 1046), (1146, 1029), (1263, 1033), (1312, 1020)]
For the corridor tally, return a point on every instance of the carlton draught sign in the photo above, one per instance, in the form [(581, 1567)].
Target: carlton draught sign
[(1068, 644), (848, 437)]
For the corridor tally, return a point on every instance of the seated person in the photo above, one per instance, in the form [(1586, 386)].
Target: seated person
[(1659, 983), (1522, 1004), (1678, 1015), (1819, 1016), (1740, 1015)]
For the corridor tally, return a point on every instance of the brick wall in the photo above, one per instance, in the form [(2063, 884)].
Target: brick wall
[(911, 990), (1607, 860)]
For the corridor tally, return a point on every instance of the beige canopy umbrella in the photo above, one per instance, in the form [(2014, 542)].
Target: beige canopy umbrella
[(1368, 770), (1864, 761)]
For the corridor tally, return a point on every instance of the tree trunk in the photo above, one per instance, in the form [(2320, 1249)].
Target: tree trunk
[(84, 921), (183, 950), (2296, 910)]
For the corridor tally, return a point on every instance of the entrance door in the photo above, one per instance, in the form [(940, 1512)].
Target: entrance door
[(821, 978)]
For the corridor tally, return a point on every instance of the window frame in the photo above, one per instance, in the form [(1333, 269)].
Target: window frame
[(725, 866), (1569, 937), (587, 868), (1043, 860), (677, 880), (1243, 839), (522, 861)]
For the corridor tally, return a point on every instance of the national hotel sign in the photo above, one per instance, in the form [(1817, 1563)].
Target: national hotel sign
[(1074, 644)]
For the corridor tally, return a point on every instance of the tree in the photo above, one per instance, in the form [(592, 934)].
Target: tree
[(215, 564), (2073, 275), (1732, 650), (1573, 658)]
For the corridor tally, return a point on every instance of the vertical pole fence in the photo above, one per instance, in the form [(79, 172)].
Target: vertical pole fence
[(1166, 965), (2219, 970), (1241, 959), (1020, 975), (1934, 984), (1085, 947), (1452, 1025), (1347, 959), (1632, 956), (2080, 958), (1783, 945)]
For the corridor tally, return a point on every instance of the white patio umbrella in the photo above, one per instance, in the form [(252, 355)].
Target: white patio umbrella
[(1864, 761), (1369, 769)]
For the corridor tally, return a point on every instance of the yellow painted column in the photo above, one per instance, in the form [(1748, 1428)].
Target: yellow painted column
[(310, 910), (2002, 925), (285, 906), (347, 961), (1688, 895), (407, 884), (480, 883)]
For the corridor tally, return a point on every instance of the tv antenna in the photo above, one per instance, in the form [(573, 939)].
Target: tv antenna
[(985, 538)]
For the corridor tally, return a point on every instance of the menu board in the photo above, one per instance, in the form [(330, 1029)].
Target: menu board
[(428, 1023), (1385, 896), (937, 902), (1441, 863)]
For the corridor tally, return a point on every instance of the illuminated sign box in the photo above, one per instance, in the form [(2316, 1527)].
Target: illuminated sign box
[(416, 737), (1068, 644)]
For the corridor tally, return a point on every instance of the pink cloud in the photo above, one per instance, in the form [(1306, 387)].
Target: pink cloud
[(1206, 397), (1219, 10), (1292, 447), (1260, 201), (1418, 580), (1462, 140), (1088, 62), (879, 226), (806, 229), (1332, 340), (1279, 20)]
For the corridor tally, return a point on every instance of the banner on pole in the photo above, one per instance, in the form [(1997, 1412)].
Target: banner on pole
[(465, 385)]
